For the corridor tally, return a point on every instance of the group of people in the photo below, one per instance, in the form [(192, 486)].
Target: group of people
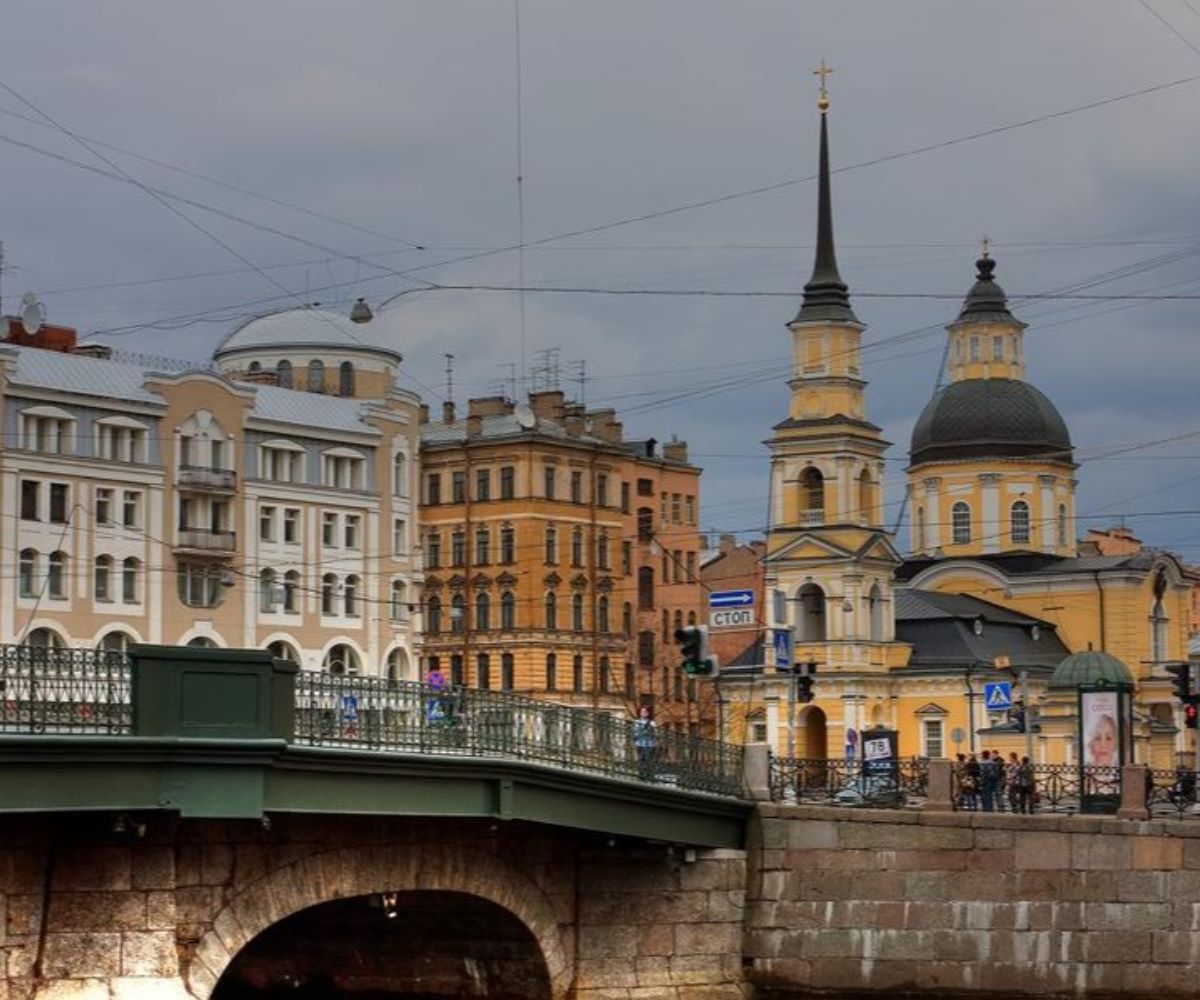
[(986, 782)]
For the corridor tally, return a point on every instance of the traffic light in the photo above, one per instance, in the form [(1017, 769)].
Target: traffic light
[(1190, 715), (1181, 684), (804, 682), (693, 647)]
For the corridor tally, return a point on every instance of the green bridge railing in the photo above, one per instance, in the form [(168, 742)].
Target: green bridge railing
[(93, 692)]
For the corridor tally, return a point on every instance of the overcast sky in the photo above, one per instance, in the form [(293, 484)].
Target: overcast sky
[(396, 119)]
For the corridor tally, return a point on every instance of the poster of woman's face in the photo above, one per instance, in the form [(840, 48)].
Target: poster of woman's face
[(1101, 735)]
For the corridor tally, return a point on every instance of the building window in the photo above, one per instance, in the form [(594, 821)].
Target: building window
[(602, 614), (551, 612), (689, 509), (604, 669), (400, 475), (103, 578), (664, 507), (576, 487), (960, 522), (645, 524), (282, 650), (27, 573), (51, 432), (875, 613), (131, 509), (756, 727), (350, 530), (645, 588), (433, 488), (266, 524), (433, 550), (283, 374), (577, 612), (1020, 522), (343, 472), (30, 492), (602, 550), (266, 591), (676, 566), (278, 464), (626, 558), (346, 379), (997, 348), (104, 501), (341, 659), (627, 619), (551, 671), (1158, 631), (812, 487), (483, 671), (350, 596), (316, 376), (690, 566), (625, 505), (577, 547), (458, 614), (601, 490), (58, 503), (931, 738), (458, 548), (646, 649), (117, 443), (44, 638), (483, 484), (199, 585), (691, 618), (329, 521), (399, 604), (506, 672), (548, 482), (456, 670), (328, 594), (399, 537), (483, 612), (483, 546), (551, 544), (291, 525), (974, 348), (676, 508), (291, 591), (458, 487), (577, 673), (56, 575), (507, 482), (508, 611), (433, 614), (129, 580), (507, 546)]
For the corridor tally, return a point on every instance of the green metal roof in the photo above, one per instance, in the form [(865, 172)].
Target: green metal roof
[(1090, 669)]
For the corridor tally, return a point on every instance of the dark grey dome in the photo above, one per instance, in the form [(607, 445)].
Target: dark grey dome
[(989, 418)]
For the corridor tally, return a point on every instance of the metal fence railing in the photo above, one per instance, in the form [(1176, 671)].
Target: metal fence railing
[(1053, 788), (67, 691), (846, 782), (1172, 793), (401, 716)]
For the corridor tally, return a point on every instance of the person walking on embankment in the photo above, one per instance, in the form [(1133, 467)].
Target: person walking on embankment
[(645, 741)]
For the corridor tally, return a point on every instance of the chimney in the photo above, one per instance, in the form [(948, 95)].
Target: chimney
[(101, 351), (650, 444), (606, 426), (488, 406), (728, 543), (423, 418), (548, 404), (574, 425), (448, 411), (474, 425), (675, 450)]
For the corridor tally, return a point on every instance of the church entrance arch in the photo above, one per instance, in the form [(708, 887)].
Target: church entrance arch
[(815, 737)]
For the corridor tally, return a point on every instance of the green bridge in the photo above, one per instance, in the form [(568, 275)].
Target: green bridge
[(236, 734)]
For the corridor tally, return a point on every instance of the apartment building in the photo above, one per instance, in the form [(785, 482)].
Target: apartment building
[(241, 504)]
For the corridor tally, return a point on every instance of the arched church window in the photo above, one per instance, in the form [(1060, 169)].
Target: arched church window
[(283, 374), (346, 379), (810, 613), (316, 375), (864, 497), (960, 520), (812, 485), (875, 613), (1019, 522), (1159, 620)]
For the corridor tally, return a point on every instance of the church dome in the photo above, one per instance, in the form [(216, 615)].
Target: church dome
[(989, 418), (1090, 669), (308, 329)]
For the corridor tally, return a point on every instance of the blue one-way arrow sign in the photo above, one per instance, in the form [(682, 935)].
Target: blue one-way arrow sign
[(731, 598)]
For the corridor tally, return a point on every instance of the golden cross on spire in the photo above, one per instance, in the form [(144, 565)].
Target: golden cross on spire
[(823, 100), (986, 243)]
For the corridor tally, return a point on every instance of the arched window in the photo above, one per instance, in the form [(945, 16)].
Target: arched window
[(483, 612), (291, 591), (283, 651), (551, 671), (202, 642), (115, 642), (328, 592), (577, 547), (812, 485), (508, 611), (627, 619), (433, 614), (129, 580), (551, 612), (577, 673), (350, 596), (810, 613), (254, 367), (605, 670), (1062, 525), (483, 546), (1019, 522), (56, 574), (283, 374), (602, 550), (1158, 624), (960, 522), (397, 665), (678, 620), (645, 588), (45, 639), (266, 591), (483, 671), (103, 578), (400, 475), (691, 617), (27, 573), (577, 612), (346, 379), (316, 376), (457, 613), (341, 659), (508, 545), (602, 614), (399, 605), (875, 613), (865, 507), (507, 680)]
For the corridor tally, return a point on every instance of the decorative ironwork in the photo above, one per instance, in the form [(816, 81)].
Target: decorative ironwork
[(1056, 788), (407, 717), (67, 691), (817, 781), (1172, 793)]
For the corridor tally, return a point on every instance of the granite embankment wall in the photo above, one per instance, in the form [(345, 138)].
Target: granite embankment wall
[(864, 900)]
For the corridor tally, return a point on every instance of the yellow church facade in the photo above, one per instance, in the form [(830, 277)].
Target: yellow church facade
[(996, 586)]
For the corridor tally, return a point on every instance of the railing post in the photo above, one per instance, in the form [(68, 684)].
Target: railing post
[(1134, 792), (940, 794), (756, 771)]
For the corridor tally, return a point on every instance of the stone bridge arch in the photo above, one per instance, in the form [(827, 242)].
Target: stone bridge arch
[(361, 871)]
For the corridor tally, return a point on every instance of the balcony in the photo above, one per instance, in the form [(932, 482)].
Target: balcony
[(199, 477), (202, 540), (812, 518)]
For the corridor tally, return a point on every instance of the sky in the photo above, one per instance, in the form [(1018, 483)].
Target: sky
[(290, 151)]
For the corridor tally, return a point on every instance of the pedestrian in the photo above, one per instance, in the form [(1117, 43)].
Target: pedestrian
[(645, 741), (990, 776), (1012, 781), (971, 780), (1027, 787)]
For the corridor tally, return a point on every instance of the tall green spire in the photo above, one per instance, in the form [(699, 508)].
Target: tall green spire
[(826, 297)]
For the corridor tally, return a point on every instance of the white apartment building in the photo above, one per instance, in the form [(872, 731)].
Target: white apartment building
[(265, 502)]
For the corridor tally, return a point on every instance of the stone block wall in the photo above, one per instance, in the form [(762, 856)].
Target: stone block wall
[(865, 900)]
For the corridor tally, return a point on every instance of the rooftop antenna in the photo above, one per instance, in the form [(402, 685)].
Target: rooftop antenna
[(449, 378), (580, 377), (1, 277), (509, 384)]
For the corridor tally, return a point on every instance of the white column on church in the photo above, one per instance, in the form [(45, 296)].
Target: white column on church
[(989, 527)]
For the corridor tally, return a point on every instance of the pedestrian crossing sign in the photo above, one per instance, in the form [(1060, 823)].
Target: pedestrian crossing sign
[(998, 696)]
